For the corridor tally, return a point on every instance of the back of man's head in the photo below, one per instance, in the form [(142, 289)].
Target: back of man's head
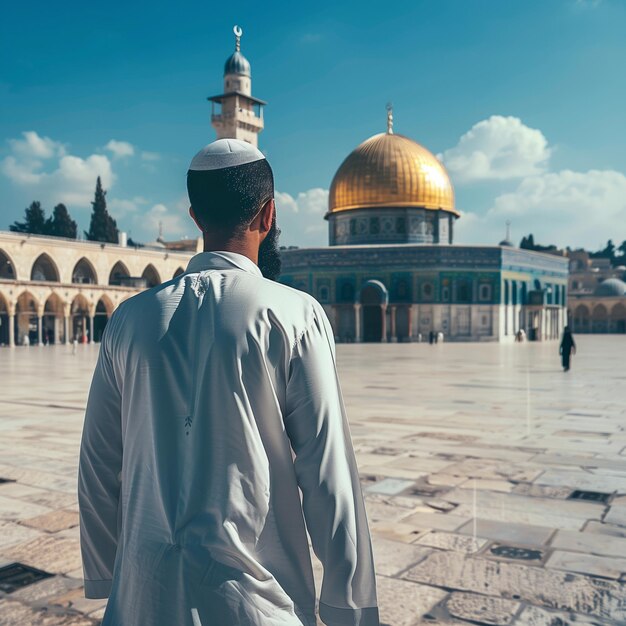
[(228, 183)]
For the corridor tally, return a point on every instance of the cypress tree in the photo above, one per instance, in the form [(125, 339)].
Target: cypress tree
[(60, 224), (34, 221), (102, 227)]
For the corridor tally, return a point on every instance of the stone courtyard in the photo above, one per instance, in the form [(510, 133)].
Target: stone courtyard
[(495, 483)]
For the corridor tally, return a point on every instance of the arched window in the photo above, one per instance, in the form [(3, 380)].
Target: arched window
[(118, 274), (84, 273), (484, 293), (323, 293), (464, 292), (7, 269), (44, 269), (151, 275)]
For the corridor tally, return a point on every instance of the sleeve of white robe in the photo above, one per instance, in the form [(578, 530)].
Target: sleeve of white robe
[(326, 468), (98, 477)]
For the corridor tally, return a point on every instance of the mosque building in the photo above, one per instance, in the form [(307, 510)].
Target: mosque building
[(391, 271)]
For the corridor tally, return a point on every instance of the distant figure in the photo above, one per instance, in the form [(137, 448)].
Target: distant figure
[(419, 337), (26, 340), (567, 348), (520, 335), (431, 337), (74, 344), (439, 337)]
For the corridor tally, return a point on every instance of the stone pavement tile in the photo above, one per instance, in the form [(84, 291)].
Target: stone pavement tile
[(16, 614), (594, 526), (582, 480), (396, 531), (11, 533), (387, 511), (531, 518), (446, 480), (486, 484), (44, 589), (14, 509), (392, 557), (435, 521), (591, 543), (389, 486), (616, 515), (451, 541), (384, 470), (548, 588), (53, 521), (541, 491), (604, 566), (495, 470), (483, 609), (420, 463), (507, 531), (48, 553), (75, 599), (402, 603), (535, 616)]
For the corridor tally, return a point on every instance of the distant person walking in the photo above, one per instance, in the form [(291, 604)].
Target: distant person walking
[(567, 348)]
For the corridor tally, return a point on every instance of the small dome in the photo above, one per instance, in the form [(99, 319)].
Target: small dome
[(506, 242), (237, 64), (611, 288)]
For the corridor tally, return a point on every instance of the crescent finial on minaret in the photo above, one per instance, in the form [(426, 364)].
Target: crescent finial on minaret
[(389, 118), (238, 32)]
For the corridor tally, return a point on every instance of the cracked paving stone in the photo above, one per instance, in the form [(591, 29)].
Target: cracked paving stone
[(47, 588), (605, 599), (604, 566), (483, 609), (53, 521), (392, 557), (591, 543), (502, 531), (451, 541), (402, 603), (535, 616), (57, 556)]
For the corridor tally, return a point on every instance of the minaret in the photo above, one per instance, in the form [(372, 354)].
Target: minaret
[(238, 114)]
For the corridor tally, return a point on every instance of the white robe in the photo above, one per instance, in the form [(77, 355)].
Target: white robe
[(214, 400)]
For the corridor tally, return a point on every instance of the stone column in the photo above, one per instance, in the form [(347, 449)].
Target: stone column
[(393, 338), (11, 328), (358, 337), (39, 329), (91, 328), (383, 308), (66, 323), (410, 329)]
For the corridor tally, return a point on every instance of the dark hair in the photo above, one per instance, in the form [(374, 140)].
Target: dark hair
[(227, 200)]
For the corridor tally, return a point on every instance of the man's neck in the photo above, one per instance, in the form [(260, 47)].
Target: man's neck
[(240, 246)]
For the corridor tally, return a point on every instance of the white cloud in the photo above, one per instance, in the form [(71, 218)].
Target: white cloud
[(150, 156), (173, 221), (497, 148), (120, 149), (32, 146), (301, 219), (565, 208), (42, 166)]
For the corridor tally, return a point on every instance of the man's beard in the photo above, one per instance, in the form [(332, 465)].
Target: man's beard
[(269, 254)]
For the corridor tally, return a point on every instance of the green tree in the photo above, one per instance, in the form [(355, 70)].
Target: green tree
[(34, 221), (102, 227), (60, 224)]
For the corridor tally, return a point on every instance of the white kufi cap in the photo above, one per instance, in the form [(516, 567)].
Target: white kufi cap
[(225, 153)]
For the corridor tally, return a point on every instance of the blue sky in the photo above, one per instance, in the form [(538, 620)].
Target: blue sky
[(523, 101)]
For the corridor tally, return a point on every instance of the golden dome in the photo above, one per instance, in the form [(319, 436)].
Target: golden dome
[(389, 170)]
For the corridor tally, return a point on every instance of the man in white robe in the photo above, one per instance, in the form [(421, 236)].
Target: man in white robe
[(215, 401)]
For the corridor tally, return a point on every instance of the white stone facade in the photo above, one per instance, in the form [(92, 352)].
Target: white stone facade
[(53, 290)]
